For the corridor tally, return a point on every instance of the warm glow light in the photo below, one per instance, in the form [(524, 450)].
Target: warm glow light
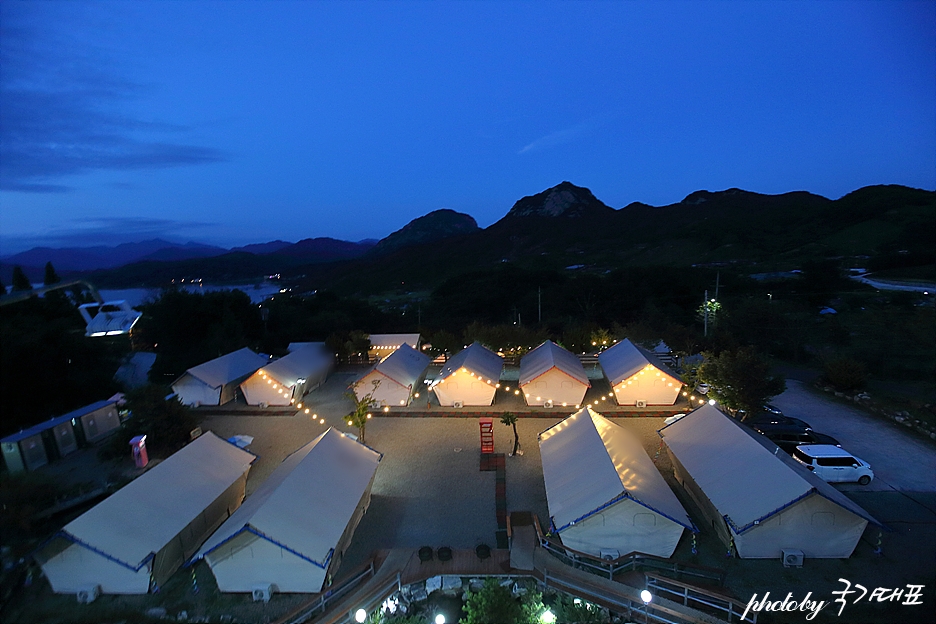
[(307, 410), (369, 415), (299, 405), (322, 421), (386, 409)]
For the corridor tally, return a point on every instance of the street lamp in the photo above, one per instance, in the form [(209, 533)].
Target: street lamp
[(360, 615), (548, 617), (440, 619), (647, 598)]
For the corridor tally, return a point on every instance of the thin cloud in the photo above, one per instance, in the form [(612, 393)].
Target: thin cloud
[(55, 123), (559, 137)]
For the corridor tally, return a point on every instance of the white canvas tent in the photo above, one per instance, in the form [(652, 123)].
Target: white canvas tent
[(469, 378), (147, 529), (398, 375), (550, 376), (606, 498), (214, 382), (290, 534), (758, 500), (289, 378), (638, 377), (382, 345)]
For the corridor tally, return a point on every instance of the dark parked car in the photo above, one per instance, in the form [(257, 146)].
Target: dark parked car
[(770, 420), (789, 439)]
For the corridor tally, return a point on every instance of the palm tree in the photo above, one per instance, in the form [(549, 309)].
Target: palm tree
[(362, 407), (510, 419)]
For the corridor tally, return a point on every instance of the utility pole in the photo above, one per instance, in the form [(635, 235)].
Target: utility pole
[(717, 280), (705, 307), (539, 305)]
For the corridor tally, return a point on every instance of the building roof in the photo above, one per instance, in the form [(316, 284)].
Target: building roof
[(307, 502), (547, 356), (227, 368), (393, 341), (139, 519), (301, 363), (746, 476), (477, 359), (58, 420), (590, 463), (625, 359), (404, 366)]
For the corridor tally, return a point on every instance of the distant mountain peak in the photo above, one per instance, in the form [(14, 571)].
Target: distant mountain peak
[(563, 200), (437, 225)]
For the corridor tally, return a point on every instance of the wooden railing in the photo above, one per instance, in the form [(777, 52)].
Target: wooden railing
[(699, 598), (321, 602)]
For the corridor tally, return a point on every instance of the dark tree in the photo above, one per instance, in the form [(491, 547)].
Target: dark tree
[(20, 281), (50, 277), (741, 379)]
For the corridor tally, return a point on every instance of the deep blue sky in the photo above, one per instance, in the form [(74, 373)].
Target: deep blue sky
[(239, 122)]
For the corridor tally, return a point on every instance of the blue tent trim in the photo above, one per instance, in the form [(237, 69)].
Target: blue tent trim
[(100, 552), (216, 547), (741, 529), (323, 565), (691, 526)]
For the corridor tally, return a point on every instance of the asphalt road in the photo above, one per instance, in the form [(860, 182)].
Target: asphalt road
[(900, 460)]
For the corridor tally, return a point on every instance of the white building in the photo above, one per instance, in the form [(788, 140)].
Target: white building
[(396, 376), (469, 378), (638, 377), (757, 499), (289, 378), (606, 497), (140, 535), (214, 382), (550, 376), (291, 533)]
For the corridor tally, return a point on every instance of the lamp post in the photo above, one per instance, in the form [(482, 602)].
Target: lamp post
[(647, 598), (360, 615)]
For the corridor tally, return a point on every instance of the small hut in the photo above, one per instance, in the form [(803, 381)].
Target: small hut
[(550, 376), (638, 377), (469, 378)]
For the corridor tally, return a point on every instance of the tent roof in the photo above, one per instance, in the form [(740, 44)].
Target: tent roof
[(625, 359), (404, 366), (590, 462), (307, 502), (478, 359), (547, 356), (385, 341), (146, 514), (56, 421), (745, 475), (228, 368), (301, 363)]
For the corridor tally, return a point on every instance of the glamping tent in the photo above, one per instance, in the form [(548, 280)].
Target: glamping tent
[(397, 376), (758, 500), (469, 378), (551, 376), (30, 448), (142, 533), (382, 345), (638, 377), (214, 382), (290, 534), (287, 379), (606, 497)]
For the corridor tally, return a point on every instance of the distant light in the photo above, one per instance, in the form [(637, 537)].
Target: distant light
[(360, 615), (646, 596)]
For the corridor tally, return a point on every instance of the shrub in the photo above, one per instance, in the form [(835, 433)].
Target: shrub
[(844, 373)]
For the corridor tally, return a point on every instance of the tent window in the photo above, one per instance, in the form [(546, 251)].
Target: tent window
[(567, 385), (540, 385), (644, 519)]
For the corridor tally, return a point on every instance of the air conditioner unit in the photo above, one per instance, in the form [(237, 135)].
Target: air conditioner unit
[(262, 593), (88, 594), (609, 555), (640, 403), (792, 558), (263, 405), (547, 403), (458, 404), (194, 433)]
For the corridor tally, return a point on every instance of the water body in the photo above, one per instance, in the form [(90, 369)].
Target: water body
[(137, 296)]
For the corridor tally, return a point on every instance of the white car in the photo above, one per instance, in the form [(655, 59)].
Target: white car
[(833, 463)]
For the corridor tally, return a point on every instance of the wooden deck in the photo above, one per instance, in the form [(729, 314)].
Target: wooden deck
[(464, 562)]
